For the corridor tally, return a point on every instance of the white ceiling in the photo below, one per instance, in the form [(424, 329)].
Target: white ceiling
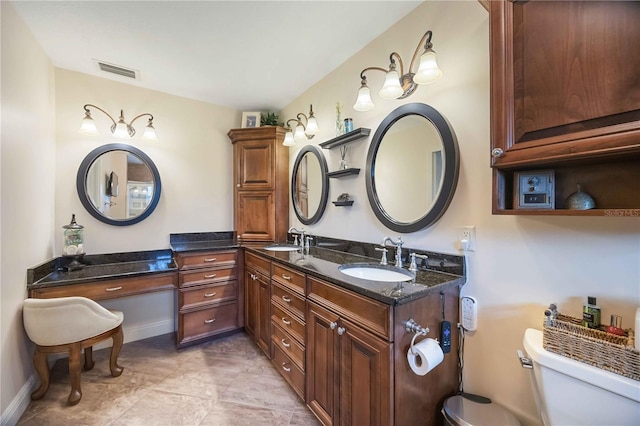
[(247, 55)]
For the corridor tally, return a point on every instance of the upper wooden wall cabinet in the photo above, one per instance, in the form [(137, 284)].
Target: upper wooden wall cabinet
[(261, 183), (565, 96)]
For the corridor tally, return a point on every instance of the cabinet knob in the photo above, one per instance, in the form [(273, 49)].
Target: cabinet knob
[(238, 185), (341, 330), (497, 152), (333, 325)]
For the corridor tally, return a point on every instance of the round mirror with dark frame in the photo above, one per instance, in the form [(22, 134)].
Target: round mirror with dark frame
[(118, 184), (412, 168), (309, 185)]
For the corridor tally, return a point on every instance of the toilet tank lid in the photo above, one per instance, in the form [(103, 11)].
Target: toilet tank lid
[(612, 382)]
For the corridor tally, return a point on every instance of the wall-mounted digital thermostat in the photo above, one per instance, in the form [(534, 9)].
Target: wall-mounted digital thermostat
[(534, 190)]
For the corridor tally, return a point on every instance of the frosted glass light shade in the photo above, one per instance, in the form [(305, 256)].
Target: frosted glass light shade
[(288, 139), (88, 126), (150, 133), (299, 135), (364, 102), (121, 130), (428, 70), (312, 127), (391, 88)]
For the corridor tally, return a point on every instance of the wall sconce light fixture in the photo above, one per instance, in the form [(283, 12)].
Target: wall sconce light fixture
[(303, 131), (121, 128), (400, 85)]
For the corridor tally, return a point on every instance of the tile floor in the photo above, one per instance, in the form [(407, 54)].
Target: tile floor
[(223, 382)]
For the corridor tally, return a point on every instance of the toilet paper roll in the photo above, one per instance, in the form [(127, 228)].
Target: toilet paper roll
[(425, 357)]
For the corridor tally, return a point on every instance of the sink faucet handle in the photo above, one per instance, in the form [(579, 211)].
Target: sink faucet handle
[(383, 261), (295, 239), (307, 239), (414, 267)]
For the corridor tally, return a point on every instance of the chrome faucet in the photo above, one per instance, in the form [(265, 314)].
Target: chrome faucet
[(413, 267), (299, 231), (398, 245)]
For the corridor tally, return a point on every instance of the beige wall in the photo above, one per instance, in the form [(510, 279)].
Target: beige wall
[(521, 263), (28, 195)]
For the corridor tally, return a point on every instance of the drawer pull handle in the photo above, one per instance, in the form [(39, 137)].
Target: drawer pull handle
[(285, 368), (286, 299), (209, 321), (286, 321), (285, 344), (209, 294), (113, 288), (210, 276), (286, 277), (210, 259)]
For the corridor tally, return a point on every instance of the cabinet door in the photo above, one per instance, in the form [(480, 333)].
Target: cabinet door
[(564, 80), (254, 165), (263, 331), (255, 216), (322, 366), (251, 302), (366, 375)]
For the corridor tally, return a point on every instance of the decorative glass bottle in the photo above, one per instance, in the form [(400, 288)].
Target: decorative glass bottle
[(73, 238)]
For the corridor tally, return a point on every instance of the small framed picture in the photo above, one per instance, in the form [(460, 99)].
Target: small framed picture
[(535, 190), (250, 119)]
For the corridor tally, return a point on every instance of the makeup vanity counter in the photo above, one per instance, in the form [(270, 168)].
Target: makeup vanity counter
[(104, 276)]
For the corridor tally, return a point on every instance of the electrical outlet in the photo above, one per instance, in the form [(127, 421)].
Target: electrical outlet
[(467, 238)]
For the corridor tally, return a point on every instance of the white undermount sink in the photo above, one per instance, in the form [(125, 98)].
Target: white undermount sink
[(281, 247), (366, 271)]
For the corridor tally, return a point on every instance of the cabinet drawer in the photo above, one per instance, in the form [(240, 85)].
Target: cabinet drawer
[(207, 294), (206, 276), (208, 321), (260, 264), (289, 370), (289, 323), (367, 313), (289, 300), (288, 345), (288, 277), (206, 259), (109, 289)]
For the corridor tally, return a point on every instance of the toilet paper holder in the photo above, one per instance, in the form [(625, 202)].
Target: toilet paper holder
[(413, 327)]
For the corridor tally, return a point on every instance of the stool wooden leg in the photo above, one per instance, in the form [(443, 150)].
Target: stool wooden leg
[(40, 363), (74, 373), (118, 338), (88, 358)]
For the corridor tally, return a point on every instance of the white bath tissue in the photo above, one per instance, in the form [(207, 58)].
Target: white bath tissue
[(428, 355)]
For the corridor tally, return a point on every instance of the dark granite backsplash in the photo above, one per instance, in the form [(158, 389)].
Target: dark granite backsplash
[(449, 263), (201, 236)]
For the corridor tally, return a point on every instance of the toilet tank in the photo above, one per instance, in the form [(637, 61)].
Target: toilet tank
[(570, 392)]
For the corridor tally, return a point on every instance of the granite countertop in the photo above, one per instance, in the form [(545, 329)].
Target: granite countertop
[(100, 267), (202, 241), (323, 263)]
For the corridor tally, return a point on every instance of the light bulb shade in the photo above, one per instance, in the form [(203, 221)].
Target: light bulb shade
[(288, 139), (150, 132), (312, 127), (428, 70), (391, 88), (88, 126), (364, 102), (121, 130), (299, 135)]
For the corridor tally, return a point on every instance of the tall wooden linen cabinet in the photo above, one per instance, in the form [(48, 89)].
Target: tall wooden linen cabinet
[(261, 183)]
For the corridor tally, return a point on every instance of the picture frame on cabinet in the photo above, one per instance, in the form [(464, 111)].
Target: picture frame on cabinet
[(250, 119)]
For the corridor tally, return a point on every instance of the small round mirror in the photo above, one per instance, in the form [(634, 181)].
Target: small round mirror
[(118, 184), (309, 185)]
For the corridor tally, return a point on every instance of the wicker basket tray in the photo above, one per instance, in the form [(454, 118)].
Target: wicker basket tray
[(566, 336)]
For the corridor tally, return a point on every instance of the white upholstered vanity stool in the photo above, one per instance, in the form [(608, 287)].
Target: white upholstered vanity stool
[(70, 324)]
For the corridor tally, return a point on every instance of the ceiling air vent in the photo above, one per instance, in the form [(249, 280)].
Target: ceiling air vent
[(115, 69)]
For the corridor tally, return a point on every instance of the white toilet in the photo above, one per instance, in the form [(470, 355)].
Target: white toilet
[(569, 392)]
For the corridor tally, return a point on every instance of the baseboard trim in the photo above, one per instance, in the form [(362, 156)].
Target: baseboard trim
[(19, 404)]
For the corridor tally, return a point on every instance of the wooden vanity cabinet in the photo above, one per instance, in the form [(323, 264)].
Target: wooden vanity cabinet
[(258, 300), (208, 290), (350, 379), (565, 96), (261, 183)]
